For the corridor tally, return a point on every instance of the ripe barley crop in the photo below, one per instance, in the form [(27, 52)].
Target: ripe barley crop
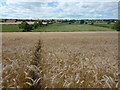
[(60, 60)]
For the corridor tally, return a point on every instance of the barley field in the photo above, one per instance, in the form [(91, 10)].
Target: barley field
[(60, 60)]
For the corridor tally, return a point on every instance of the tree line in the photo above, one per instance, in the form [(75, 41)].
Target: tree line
[(28, 27)]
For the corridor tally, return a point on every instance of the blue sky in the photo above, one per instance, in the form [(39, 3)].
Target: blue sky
[(57, 9)]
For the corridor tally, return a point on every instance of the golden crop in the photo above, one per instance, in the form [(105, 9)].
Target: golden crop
[(60, 60)]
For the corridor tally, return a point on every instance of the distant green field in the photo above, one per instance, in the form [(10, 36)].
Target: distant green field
[(11, 28), (71, 28), (104, 25), (59, 28)]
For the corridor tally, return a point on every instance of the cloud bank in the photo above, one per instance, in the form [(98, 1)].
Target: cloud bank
[(59, 9)]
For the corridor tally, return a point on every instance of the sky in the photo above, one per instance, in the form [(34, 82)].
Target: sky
[(59, 9)]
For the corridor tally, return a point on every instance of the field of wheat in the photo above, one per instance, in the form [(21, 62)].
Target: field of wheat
[(60, 60)]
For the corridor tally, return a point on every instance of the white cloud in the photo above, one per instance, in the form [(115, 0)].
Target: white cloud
[(17, 1), (39, 9)]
